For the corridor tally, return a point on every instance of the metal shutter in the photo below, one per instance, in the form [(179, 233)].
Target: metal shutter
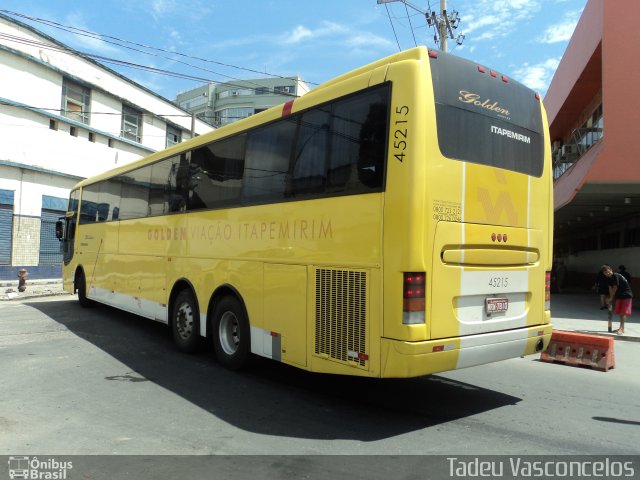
[(50, 246), (6, 226), (6, 232)]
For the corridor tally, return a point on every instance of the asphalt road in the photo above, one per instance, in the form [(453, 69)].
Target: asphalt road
[(100, 381)]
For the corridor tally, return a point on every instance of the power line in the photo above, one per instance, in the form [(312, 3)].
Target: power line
[(392, 27), (81, 112), (443, 22), (123, 63), (119, 41), (410, 25)]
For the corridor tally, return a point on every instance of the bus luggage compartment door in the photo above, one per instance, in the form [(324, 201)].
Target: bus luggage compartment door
[(483, 285), (285, 310)]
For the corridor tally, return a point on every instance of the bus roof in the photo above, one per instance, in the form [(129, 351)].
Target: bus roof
[(273, 113)]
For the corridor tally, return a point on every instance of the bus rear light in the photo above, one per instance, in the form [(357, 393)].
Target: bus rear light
[(505, 79), (537, 95), (493, 74), (481, 69), (547, 291), (433, 54), (413, 301)]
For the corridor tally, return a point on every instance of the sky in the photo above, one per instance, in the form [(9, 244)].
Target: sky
[(226, 40)]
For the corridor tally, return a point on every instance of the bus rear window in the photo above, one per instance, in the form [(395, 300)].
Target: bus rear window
[(483, 119)]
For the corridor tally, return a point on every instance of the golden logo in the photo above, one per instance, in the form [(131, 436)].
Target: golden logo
[(475, 99)]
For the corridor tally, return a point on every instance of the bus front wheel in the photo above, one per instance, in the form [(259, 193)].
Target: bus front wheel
[(81, 287), (185, 323), (231, 334)]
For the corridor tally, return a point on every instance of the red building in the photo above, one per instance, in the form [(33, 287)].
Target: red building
[(593, 106)]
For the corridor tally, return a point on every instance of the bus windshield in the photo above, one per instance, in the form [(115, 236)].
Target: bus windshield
[(484, 117)]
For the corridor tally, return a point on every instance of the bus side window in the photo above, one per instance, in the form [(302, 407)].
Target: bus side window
[(136, 185), (372, 146), (217, 173), (359, 132), (109, 199), (89, 205), (161, 187), (267, 161), (309, 164), (179, 183), (103, 212)]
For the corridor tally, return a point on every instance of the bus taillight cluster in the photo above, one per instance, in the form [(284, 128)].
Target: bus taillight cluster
[(413, 297)]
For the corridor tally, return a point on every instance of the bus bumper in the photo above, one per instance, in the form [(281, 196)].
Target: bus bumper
[(412, 359)]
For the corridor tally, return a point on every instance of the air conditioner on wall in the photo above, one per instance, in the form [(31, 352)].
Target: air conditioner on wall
[(569, 150)]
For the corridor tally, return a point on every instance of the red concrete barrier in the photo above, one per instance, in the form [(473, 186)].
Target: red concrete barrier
[(580, 350)]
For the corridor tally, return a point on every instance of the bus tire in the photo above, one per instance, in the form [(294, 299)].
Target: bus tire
[(81, 287), (185, 322), (231, 334)]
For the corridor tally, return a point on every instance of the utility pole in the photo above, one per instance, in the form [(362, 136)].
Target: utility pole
[(442, 27), (443, 22)]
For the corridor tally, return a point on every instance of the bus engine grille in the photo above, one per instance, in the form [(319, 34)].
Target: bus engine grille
[(341, 299)]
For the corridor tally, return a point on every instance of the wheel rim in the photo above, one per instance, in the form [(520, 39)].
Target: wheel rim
[(229, 333), (184, 321)]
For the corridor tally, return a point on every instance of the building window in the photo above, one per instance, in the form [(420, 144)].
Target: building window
[(610, 240), (597, 121), (262, 91), (174, 135), (632, 237), (53, 125), (230, 115), (236, 92), (285, 89), (92, 137), (75, 101), (131, 124), (73, 131)]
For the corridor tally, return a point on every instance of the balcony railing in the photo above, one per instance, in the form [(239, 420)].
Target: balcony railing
[(582, 139)]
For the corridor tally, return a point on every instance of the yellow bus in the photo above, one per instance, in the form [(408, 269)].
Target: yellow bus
[(394, 222)]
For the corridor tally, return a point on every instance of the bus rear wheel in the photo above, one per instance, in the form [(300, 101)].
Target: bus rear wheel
[(185, 323), (231, 334)]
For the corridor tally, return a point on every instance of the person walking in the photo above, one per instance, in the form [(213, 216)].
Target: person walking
[(602, 287), (622, 270), (620, 293)]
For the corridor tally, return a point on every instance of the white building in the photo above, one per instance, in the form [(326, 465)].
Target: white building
[(224, 103), (64, 117)]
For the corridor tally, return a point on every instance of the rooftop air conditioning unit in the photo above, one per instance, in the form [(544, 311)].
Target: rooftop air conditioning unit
[(569, 150)]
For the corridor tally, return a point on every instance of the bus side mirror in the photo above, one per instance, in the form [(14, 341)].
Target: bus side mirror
[(59, 230)]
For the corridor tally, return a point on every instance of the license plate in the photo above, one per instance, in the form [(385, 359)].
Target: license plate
[(496, 305)]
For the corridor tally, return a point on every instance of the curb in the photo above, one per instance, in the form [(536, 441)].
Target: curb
[(34, 289), (4, 297), (625, 338)]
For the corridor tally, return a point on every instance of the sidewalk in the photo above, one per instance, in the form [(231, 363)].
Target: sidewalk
[(35, 288), (580, 312), (572, 311)]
